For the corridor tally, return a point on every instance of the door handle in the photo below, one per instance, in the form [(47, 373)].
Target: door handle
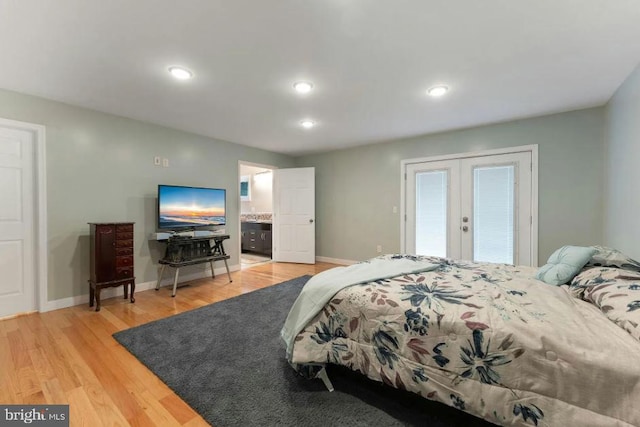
[(310, 221), (465, 228)]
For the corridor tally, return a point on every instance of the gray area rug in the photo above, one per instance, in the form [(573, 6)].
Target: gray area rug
[(226, 360)]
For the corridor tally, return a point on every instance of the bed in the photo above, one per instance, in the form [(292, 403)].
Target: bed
[(488, 339)]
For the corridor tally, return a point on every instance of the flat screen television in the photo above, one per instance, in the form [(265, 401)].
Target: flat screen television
[(182, 208)]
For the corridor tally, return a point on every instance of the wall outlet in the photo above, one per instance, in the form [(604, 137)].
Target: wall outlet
[(157, 160), (165, 163), (379, 249)]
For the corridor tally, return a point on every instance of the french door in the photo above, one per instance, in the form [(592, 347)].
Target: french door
[(474, 208)]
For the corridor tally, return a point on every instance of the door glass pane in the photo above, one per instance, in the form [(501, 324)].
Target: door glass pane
[(493, 214), (431, 213)]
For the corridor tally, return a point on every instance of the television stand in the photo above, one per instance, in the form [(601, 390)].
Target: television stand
[(183, 251)]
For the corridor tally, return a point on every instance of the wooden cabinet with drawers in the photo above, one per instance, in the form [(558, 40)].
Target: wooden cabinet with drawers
[(111, 259), (256, 237)]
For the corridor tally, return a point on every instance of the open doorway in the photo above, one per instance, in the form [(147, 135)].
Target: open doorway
[(256, 213)]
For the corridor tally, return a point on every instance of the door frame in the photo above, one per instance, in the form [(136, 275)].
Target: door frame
[(239, 201), (533, 149), (40, 209)]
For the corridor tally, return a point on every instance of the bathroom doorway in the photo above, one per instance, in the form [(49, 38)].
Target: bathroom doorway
[(256, 213)]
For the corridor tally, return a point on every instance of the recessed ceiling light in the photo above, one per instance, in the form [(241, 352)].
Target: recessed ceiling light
[(303, 87), (437, 90), (307, 124), (180, 73)]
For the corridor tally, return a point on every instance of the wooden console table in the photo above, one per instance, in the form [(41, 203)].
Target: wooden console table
[(184, 251)]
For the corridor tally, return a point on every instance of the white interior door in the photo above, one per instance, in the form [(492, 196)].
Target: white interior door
[(294, 229), (17, 277), (474, 208)]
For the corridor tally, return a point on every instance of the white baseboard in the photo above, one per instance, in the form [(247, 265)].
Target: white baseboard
[(143, 286), (336, 260)]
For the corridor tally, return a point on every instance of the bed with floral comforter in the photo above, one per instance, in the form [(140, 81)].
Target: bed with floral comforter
[(488, 339)]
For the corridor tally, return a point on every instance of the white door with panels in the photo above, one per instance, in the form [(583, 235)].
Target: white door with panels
[(17, 256), (294, 229), (473, 208)]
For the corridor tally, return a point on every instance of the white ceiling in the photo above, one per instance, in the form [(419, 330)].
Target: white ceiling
[(370, 61)]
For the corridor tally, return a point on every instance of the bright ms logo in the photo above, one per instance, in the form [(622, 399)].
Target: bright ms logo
[(26, 417), (44, 415)]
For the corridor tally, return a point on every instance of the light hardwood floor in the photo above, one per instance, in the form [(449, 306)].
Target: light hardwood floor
[(68, 356)]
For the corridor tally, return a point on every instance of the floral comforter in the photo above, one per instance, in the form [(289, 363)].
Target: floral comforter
[(487, 339)]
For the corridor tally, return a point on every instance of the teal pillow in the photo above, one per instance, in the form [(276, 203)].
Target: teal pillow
[(564, 264)]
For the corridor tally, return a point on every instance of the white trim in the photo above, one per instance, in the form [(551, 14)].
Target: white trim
[(144, 286), (456, 156), (336, 260), (532, 148), (534, 205), (40, 206)]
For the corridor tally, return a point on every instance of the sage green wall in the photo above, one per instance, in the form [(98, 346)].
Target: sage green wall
[(357, 188), (100, 168), (622, 207)]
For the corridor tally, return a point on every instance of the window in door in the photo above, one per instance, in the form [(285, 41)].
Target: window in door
[(493, 213), (431, 212)]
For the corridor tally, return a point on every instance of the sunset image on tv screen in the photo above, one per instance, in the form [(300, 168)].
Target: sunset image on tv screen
[(180, 207)]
